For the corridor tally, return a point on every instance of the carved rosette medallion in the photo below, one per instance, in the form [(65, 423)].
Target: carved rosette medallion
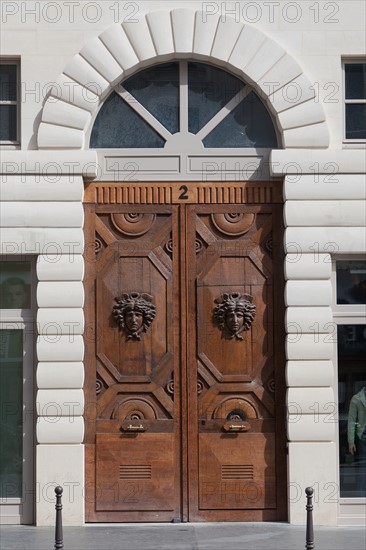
[(198, 245), (269, 245), (134, 313), (170, 387), (234, 314), (169, 247), (99, 386), (133, 224), (233, 224), (98, 245)]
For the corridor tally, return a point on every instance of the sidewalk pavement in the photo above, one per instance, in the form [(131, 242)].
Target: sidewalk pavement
[(183, 536)]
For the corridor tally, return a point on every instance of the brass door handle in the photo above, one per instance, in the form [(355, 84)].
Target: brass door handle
[(134, 428), (236, 427)]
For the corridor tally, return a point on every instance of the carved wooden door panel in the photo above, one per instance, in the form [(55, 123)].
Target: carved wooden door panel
[(184, 353), (235, 361), (134, 450)]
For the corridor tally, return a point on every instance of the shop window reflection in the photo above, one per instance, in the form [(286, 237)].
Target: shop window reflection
[(352, 409), (351, 281), (15, 284)]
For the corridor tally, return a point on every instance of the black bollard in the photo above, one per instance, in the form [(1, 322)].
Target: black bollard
[(309, 519), (59, 543)]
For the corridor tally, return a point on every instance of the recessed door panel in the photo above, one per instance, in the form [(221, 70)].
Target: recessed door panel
[(237, 472), (135, 472)]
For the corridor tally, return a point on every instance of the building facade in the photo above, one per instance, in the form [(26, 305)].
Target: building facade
[(183, 325)]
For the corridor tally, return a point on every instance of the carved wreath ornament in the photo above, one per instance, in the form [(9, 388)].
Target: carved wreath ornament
[(134, 313), (234, 314)]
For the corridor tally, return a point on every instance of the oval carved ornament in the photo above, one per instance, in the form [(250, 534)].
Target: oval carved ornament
[(133, 224), (233, 224)]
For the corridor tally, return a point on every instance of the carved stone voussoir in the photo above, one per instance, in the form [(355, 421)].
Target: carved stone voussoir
[(134, 313), (234, 314)]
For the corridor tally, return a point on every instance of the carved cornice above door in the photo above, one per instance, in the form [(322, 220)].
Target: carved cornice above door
[(187, 193)]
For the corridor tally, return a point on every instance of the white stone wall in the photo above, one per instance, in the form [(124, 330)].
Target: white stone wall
[(324, 216), (282, 48), (42, 215)]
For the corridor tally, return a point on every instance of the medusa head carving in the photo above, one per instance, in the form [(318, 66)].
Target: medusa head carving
[(134, 313), (234, 313)]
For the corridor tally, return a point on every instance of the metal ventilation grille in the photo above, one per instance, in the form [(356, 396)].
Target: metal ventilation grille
[(135, 471), (237, 471)]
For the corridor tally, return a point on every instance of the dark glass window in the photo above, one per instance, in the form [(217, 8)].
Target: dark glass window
[(248, 125), (157, 89), (356, 121), (351, 281), (11, 410), (8, 82), (209, 89), (352, 409), (355, 95), (118, 125), (355, 80), (8, 102), (15, 284), (8, 122)]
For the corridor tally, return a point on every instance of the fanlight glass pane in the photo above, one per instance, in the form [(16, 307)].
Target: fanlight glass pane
[(209, 89), (11, 403), (157, 89), (356, 81), (119, 126), (248, 125)]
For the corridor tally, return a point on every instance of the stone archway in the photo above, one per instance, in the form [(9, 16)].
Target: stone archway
[(182, 33)]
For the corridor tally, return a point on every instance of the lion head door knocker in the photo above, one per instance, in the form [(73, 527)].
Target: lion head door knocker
[(134, 313), (234, 314)]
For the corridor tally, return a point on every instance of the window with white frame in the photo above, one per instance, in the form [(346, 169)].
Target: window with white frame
[(350, 316), (355, 100), (9, 102)]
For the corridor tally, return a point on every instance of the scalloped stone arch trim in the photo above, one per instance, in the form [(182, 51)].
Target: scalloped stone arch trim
[(182, 33)]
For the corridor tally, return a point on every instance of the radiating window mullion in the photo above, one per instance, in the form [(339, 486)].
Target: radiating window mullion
[(183, 96), (144, 113), (149, 108), (224, 112)]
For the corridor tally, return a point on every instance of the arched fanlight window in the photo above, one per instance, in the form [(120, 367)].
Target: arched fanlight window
[(197, 101)]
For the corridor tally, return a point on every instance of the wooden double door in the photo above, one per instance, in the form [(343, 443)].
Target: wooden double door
[(185, 360)]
